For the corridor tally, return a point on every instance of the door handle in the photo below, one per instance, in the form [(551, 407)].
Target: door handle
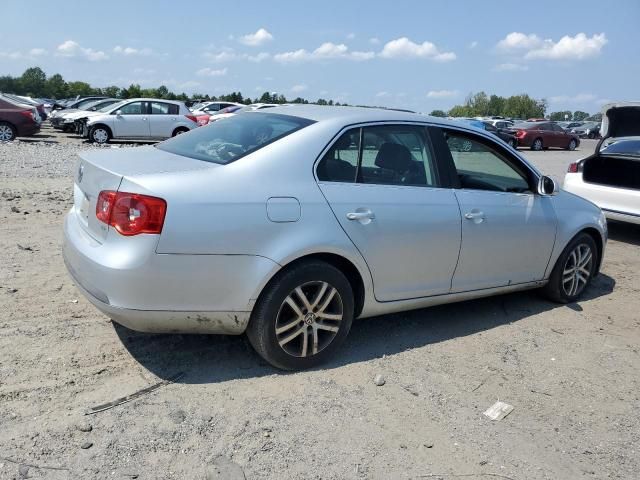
[(476, 215), (361, 216)]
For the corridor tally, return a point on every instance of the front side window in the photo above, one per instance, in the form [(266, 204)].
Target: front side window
[(229, 139), (480, 167), (134, 108)]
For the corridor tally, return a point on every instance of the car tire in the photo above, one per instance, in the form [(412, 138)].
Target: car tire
[(306, 308), (179, 131), (572, 144), (573, 270), (591, 135), (537, 144), (99, 134), (8, 132), (513, 143)]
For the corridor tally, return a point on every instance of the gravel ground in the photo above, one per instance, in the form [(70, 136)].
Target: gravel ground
[(571, 372)]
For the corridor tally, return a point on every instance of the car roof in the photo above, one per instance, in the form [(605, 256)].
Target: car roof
[(348, 115), (141, 99)]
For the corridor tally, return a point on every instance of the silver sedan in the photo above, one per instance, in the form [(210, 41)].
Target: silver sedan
[(288, 223)]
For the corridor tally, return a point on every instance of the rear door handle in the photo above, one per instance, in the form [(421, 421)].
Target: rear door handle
[(476, 215), (361, 216)]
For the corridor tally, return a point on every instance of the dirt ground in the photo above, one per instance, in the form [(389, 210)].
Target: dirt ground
[(571, 372)]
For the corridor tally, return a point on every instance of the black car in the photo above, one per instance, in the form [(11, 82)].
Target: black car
[(502, 133)]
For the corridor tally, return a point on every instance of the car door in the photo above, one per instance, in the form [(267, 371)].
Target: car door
[(162, 119), (384, 187), (508, 230), (131, 120)]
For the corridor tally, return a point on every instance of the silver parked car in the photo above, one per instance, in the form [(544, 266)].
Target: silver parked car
[(290, 222), (140, 118)]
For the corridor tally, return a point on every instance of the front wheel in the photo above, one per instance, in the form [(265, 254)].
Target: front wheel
[(574, 270), (99, 134), (7, 132), (302, 317), (572, 145)]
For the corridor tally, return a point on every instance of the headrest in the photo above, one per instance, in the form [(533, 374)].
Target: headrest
[(394, 156)]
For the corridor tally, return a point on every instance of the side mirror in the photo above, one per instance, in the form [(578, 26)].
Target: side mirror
[(547, 186), (118, 113)]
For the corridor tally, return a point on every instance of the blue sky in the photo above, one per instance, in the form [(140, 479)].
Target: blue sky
[(421, 55)]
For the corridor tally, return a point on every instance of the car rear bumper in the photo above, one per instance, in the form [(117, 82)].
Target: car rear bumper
[(145, 291), (617, 203), (28, 129)]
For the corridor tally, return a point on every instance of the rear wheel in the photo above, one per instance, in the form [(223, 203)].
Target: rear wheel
[(99, 134), (572, 144), (574, 270), (179, 131), (513, 143), (537, 145), (303, 316), (7, 132)]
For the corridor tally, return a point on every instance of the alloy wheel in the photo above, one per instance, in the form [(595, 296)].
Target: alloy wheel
[(572, 145), (537, 144), (6, 133), (309, 319), (577, 270)]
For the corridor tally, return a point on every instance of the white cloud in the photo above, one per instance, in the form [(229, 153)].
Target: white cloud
[(229, 55), (210, 72), (259, 57), (511, 67), (12, 55), (37, 52), (473, 44), (442, 94), (299, 88), (374, 41), (71, 49), (578, 47), (130, 51), (256, 39), (351, 36), (579, 98), (325, 51), (405, 48)]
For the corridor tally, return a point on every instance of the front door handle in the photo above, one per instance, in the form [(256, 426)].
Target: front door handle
[(364, 216)]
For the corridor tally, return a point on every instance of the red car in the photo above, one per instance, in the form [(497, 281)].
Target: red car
[(16, 121), (542, 135)]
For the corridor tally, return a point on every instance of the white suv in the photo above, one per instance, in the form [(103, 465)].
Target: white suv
[(139, 118)]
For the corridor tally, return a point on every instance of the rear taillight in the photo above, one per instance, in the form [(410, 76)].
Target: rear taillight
[(29, 114), (131, 213), (574, 167), (193, 118), (521, 133)]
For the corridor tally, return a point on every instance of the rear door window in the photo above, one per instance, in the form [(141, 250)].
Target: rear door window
[(161, 108)]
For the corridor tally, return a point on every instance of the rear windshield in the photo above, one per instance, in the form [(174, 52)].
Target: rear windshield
[(630, 147), (527, 125), (229, 139)]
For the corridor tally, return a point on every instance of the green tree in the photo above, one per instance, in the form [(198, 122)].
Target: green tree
[(438, 113), (9, 84), (321, 101), (111, 91), (496, 105), (560, 116), (579, 115), (33, 81), (79, 88), (163, 91), (55, 86), (461, 111)]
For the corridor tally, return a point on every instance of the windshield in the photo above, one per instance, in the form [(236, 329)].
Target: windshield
[(231, 138), (113, 106), (107, 106), (626, 146)]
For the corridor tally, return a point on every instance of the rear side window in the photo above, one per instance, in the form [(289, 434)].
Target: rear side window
[(339, 164), (231, 138), (161, 108), (382, 155)]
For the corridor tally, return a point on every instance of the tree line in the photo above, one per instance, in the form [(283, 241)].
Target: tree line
[(35, 83), (516, 106)]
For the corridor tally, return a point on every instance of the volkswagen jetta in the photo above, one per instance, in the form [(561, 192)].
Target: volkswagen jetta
[(288, 223)]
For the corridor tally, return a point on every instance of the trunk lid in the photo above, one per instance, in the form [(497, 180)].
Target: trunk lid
[(104, 169), (620, 120)]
